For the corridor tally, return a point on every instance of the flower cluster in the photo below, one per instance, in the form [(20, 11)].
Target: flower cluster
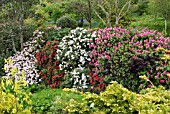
[(73, 52), (146, 41), (38, 39), (25, 60), (147, 59), (76, 79)]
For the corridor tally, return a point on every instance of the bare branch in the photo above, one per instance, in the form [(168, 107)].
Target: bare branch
[(99, 17), (103, 9), (127, 3)]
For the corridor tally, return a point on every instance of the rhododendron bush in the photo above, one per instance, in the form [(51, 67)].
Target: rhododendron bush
[(25, 60), (122, 55), (48, 65), (73, 55)]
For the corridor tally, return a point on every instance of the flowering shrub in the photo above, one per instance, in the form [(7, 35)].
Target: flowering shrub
[(110, 58), (49, 67), (73, 55), (147, 44), (117, 53), (25, 60), (14, 98)]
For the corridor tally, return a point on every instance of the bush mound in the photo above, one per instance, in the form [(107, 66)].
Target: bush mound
[(25, 60), (66, 22), (55, 33), (117, 99), (48, 65), (123, 54)]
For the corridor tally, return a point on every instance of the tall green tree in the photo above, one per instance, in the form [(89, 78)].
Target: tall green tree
[(162, 7), (14, 31), (47, 10), (13, 13)]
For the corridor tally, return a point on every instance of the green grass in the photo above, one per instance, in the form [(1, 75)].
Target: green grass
[(44, 101), (150, 22)]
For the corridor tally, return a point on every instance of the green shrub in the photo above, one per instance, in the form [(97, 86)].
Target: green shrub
[(56, 33), (117, 99), (66, 22)]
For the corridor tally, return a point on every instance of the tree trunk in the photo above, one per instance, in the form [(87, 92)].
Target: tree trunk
[(89, 12), (21, 35), (165, 26), (117, 22), (13, 44), (109, 23), (21, 21)]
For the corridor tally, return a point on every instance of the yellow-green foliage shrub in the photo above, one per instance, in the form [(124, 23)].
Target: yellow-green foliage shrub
[(14, 99), (117, 99)]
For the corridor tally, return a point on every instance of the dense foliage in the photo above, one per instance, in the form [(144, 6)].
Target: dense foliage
[(13, 96), (56, 33), (66, 22), (117, 99), (122, 55)]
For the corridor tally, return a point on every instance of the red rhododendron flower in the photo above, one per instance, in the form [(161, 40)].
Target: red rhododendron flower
[(44, 76)]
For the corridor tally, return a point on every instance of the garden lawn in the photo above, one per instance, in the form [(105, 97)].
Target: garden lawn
[(52, 101)]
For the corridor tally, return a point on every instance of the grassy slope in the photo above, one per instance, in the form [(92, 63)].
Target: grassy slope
[(150, 22), (45, 100)]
